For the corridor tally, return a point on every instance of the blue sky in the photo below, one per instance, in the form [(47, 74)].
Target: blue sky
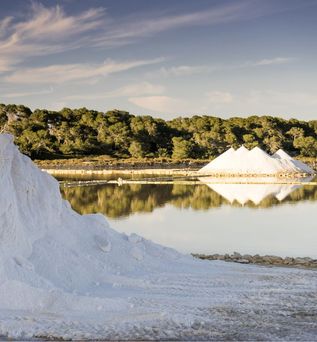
[(164, 58)]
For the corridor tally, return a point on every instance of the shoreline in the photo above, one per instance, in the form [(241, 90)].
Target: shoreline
[(99, 163), (131, 171), (265, 260), (188, 172), (171, 176)]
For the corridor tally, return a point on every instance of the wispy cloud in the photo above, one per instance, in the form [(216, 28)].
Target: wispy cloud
[(45, 31), (134, 27), (271, 61), (49, 30), (188, 70), (28, 93), (4, 24), (136, 89), (180, 70), (55, 74)]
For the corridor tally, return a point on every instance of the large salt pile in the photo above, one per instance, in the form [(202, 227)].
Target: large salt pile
[(67, 276), (52, 258), (254, 162)]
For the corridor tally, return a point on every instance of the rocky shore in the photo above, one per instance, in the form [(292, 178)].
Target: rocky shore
[(267, 260)]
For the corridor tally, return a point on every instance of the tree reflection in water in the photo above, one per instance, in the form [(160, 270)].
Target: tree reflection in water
[(120, 201)]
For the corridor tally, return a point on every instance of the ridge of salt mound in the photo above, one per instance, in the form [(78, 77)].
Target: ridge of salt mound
[(291, 162), (242, 150), (222, 159), (259, 151)]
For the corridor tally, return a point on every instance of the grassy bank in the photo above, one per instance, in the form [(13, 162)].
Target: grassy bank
[(105, 162)]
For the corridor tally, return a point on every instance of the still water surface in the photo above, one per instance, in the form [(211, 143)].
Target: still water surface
[(209, 218)]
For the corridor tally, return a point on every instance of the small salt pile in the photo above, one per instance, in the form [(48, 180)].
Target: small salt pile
[(255, 162)]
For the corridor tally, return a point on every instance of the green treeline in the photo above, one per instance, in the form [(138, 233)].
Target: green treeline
[(78, 132)]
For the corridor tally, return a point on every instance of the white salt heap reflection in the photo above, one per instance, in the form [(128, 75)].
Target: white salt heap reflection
[(244, 190), (255, 162), (64, 275), (256, 193)]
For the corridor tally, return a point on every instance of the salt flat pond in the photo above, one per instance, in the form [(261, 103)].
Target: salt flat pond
[(209, 218)]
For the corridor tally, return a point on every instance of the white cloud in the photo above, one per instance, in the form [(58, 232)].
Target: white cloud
[(181, 70), (161, 104), (219, 97), (137, 89), (273, 61), (62, 73)]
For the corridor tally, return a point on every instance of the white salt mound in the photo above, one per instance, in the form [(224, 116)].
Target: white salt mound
[(68, 276), (255, 162), (291, 162)]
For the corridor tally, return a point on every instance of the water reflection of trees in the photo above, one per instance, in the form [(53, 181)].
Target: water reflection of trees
[(119, 201)]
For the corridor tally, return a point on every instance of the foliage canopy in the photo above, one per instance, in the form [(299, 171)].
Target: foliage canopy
[(44, 134)]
